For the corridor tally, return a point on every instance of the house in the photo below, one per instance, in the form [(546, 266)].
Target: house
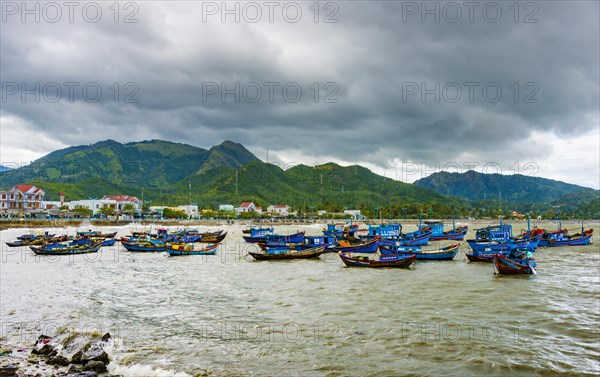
[(279, 209), (190, 209), (226, 207), (247, 207), (120, 201), (354, 214), (21, 199), (116, 202)]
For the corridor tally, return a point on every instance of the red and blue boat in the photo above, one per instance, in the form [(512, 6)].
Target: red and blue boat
[(517, 262)]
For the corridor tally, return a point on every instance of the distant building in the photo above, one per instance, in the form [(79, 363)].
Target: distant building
[(226, 207), (355, 214), (120, 201), (248, 207), (116, 202), (21, 199), (190, 209), (279, 209), (321, 212)]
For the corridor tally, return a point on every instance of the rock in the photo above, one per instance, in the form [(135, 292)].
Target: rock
[(95, 366), (90, 352), (43, 339), (82, 374), (45, 350), (74, 369), (106, 337), (58, 360), (9, 371)]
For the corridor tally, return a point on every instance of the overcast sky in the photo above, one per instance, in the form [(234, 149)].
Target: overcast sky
[(404, 88)]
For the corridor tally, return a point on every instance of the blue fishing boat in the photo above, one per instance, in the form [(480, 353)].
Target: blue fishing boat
[(442, 253), (365, 247), (63, 249), (145, 246), (499, 239), (385, 231), (190, 249), (309, 242), (561, 237), (437, 231), (259, 235), (338, 230)]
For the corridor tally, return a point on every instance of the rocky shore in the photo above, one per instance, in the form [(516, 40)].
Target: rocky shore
[(50, 358)]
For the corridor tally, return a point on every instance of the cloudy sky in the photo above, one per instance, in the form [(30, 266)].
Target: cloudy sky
[(404, 88)]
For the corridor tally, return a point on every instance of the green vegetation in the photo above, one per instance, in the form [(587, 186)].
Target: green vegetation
[(169, 213), (230, 174)]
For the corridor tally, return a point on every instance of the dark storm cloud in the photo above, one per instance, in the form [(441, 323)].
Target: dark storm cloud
[(373, 55)]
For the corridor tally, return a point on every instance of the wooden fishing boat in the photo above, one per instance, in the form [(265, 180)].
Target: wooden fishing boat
[(491, 247), (443, 253), (289, 254), (145, 246), (96, 234), (38, 240), (514, 265), (61, 249), (366, 247), (269, 230), (190, 249), (215, 237), (394, 260)]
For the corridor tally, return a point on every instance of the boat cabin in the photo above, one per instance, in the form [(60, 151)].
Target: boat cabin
[(495, 233)]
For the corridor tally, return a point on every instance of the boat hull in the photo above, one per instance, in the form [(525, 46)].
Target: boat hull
[(286, 255), (507, 266), (67, 250), (391, 261)]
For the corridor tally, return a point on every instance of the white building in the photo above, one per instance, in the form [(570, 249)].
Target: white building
[(226, 207), (22, 199), (116, 202), (279, 209), (247, 207), (354, 213), (190, 209)]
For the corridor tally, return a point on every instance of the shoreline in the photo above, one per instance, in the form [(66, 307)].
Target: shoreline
[(53, 223)]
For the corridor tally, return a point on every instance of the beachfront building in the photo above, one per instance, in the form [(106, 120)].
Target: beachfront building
[(21, 199), (190, 209), (226, 207), (354, 214), (248, 207), (116, 202), (279, 209)]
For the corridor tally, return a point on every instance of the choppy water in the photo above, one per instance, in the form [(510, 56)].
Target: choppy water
[(228, 315)]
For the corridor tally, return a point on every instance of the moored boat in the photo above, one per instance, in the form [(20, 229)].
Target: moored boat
[(289, 254), (366, 247), (145, 246), (394, 260), (517, 262), (62, 249), (442, 253), (190, 249)]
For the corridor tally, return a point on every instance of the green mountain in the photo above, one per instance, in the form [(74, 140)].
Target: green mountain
[(151, 164), (513, 188)]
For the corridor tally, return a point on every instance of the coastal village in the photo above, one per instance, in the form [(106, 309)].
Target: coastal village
[(29, 201)]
